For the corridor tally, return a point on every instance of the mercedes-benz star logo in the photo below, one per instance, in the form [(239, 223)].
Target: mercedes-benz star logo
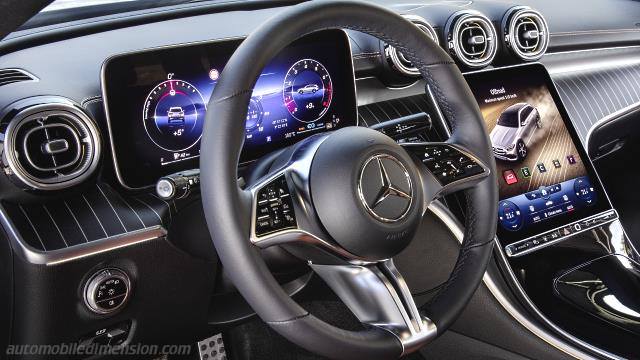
[(385, 188)]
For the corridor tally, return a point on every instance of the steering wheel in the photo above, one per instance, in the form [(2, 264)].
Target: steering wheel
[(347, 201)]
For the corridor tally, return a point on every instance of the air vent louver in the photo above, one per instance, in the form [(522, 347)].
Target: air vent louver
[(526, 33), (9, 76), (51, 146), (397, 60), (471, 39)]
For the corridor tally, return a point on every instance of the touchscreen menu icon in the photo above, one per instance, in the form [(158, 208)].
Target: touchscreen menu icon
[(541, 168), (510, 177)]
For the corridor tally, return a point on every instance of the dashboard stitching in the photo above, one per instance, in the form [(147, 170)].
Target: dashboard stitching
[(239, 93)]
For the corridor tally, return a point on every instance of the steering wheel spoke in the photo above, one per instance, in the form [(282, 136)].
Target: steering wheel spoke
[(378, 295), (282, 212), (445, 168)]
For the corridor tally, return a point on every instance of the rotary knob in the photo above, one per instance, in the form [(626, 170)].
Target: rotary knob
[(107, 291)]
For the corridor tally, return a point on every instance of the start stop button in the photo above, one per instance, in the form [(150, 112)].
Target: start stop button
[(107, 291)]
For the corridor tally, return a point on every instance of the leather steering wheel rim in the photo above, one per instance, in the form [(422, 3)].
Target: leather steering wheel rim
[(226, 204)]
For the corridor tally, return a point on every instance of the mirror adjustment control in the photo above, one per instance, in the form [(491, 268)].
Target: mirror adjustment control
[(274, 208), (107, 291)]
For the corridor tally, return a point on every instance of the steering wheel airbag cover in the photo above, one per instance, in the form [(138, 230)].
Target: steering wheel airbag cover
[(337, 172)]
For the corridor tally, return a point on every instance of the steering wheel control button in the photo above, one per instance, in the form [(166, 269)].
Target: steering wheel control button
[(107, 291), (274, 208), (548, 238), (447, 163)]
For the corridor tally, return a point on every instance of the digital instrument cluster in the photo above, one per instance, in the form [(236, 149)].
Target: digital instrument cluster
[(545, 178), (156, 102)]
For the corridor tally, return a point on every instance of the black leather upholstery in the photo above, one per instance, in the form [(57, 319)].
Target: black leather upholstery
[(226, 206)]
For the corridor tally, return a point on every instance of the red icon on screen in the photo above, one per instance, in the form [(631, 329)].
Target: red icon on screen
[(510, 177)]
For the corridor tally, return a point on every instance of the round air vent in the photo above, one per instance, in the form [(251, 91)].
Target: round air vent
[(50, 146), (526, 33), (471, 38), (397, 60)]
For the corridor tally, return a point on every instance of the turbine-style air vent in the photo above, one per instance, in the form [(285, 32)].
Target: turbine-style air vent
[(397, 60), (471, 39), (50, 146), (526, 33), (9, 76)]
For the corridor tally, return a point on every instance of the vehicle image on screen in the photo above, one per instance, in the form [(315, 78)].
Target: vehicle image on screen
[(309, 89), (514, 127), (176, 115), (173, 115)]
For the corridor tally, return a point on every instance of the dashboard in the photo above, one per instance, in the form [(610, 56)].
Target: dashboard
[(140, 101), (156, 102)]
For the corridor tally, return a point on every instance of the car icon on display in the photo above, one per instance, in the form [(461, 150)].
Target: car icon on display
[(515, 124), (308, 89), (175, 115)]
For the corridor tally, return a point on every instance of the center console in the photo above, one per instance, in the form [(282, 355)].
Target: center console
[(561, 243)]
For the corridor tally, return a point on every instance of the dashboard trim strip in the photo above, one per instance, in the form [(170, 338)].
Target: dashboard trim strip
[(76, 252), (612, 212)]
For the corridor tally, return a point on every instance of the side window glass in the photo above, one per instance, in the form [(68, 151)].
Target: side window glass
[(524, 115)]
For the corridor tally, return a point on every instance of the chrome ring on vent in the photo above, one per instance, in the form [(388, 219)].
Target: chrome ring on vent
[(49, 144), (471, 38), (526, 33), (397, 60)]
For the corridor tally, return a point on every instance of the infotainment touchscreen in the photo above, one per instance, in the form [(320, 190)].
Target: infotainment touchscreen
[(545, 178), (156, 101)]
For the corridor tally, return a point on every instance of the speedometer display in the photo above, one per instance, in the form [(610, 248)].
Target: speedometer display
[(157, 102), (307, 90)]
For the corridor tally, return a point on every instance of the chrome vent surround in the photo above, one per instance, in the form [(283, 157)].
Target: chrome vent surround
[(10, 76), (50, 146), (471, 38), (526, 33), (397, 60)]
